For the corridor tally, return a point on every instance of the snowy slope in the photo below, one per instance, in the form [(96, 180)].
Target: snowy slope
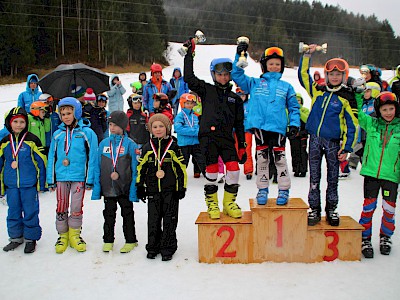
[(96, 275)]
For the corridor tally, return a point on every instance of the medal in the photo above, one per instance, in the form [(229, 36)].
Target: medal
[(114, 176), (15, 150), (65, 162), (67, 146), (160, 174), (14, 164)]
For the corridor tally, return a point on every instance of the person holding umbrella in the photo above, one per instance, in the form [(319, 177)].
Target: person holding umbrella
[(115, 99)]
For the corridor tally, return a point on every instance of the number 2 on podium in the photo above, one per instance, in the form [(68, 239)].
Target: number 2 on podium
[(221, 252)]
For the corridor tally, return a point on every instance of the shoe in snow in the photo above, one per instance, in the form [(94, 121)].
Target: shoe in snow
[(107, 247), (75, 240), (314, 217), (366, 248), (11, 246), (302, 174), (296, 174), (262, 196), (128, 247), (151, 255), (249, 176), (30, 247), (385, 245), (62, 243), (166, 257), (283, 197)]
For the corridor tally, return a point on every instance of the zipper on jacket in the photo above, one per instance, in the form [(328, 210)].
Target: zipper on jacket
[(383, 149), (158, 164), (324, 103)]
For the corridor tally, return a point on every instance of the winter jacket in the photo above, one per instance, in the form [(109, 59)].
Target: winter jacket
[(331, 115), (26, 98), (186, 126), (166, 110), (115, 99), (31, 169), (98, 119), (222, 109), (150, 89), (381, 158), (137, 126), (4, 132), (269, 97), (54, 118), (179, 85), (175, 178), (39, 127), (126, 168), (369, 109), (395, 86), (304, 113), (82, 155)]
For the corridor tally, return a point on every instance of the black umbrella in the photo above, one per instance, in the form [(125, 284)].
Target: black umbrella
[(62, 80)]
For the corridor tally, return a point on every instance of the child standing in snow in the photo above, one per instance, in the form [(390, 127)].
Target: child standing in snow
[(138, 119), (70, 170), (38, 124), (162, 180), (270, 98), (115, 179), (22, 165), (380, 169), (95, 114)]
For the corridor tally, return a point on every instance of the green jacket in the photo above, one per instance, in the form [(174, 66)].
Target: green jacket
[(39, 127), (382, 149)]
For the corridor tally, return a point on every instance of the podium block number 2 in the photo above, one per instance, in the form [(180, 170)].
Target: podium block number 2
[(221, 252)]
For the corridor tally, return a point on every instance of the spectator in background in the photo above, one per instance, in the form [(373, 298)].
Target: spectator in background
[(115, 99), (30, 94)]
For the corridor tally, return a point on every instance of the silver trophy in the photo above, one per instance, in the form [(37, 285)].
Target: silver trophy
[(242, 61), (304, 47), (199, 37)]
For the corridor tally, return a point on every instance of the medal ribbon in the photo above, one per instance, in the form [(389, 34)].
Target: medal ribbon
[(115, 160), (186, 117), (68, 140), (16, 150), (165, 152)]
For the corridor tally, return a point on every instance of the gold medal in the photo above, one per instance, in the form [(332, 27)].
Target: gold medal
[(114, 176), (14, 164), (160, 174), (65, 162)]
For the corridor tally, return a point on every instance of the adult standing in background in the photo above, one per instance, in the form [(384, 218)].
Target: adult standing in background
[(115, 99), (31, 93)]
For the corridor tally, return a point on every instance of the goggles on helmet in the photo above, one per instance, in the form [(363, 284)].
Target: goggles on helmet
[(386, 97), (273, 51), (188, 98), (135, 98), (364, 69), (221, 67), (102, 98), (336, 63)]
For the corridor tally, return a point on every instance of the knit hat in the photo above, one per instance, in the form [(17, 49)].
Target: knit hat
[(163, 119), (119, 118), (89, 95), (77, 91)]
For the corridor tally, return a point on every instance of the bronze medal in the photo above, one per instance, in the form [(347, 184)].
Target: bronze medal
[(14, 164), (160, 174), (65, 162), (114, 176)]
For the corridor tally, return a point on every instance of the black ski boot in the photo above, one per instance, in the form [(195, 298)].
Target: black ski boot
[(366, 248), (332, 217), (314, 216), (11, 246), (30, 247), (385, 245)]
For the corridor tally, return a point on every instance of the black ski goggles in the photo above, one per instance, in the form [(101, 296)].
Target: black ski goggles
[(102, 98)]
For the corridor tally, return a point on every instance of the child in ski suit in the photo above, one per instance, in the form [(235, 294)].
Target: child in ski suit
[(138, 119), (115, 179), (39, 124), (162, 180), (95, 114), (180, 86), (116, 101), (71, 163), (270, 97), (31, 94), (161, 106), (222, 113), (23, 174), (330, 120), (186, 126), (380, 168), (156, 84)]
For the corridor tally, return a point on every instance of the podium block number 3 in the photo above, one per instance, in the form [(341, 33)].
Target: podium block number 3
[(332, 246), (221, 252)]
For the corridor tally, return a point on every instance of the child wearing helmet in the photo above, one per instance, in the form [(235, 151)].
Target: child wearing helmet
[(38, 124), (394, 83), (51, 114), (331, 120), (273, 109), (95, 114), (138, 119), (380, 169), (222, 113), (371, 74), (161, 105), (70, 170), (101, 102)]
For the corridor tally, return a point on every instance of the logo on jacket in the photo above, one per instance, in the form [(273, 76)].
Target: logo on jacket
[(231, 100)]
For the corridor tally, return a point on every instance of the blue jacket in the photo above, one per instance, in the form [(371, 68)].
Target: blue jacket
[(331, 115), (269, 97), (4, 132), (186, 125), (26, 98), (54, 122), (82, 155), (179, 85), (115, 99), (150, 89), (31, 169), (126, 169)]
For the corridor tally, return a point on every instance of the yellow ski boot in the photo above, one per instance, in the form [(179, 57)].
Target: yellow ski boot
[(230, 207), (62, 243), (128, 247), (107, 247), (75, 240), (211, 193)]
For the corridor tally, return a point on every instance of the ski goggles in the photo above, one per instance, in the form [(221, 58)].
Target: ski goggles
[(102, 98), (221, 67), (135, 99), (386, 97), (189, 98), (273, 51), (336, 63), (364, 69)]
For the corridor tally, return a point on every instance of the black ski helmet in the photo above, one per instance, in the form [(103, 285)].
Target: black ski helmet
[(386, 98), (272, 52)]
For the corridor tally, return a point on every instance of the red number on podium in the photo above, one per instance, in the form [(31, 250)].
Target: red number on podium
[(221, 252), (332, 246), (279, 231)]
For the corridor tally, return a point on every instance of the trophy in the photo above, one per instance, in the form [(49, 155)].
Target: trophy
[(242, 62), (199, 37), (304, 47)]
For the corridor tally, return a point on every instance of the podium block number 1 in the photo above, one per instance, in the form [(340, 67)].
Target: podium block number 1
[(279, 231), (221, 252)]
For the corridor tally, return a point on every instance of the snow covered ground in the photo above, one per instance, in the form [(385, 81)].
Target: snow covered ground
[(96, 275)]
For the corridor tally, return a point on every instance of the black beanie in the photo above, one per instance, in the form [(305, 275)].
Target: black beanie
[(119, 118)]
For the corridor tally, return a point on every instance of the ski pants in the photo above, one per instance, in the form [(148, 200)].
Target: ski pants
[(248, 164), (74, 220), (318, 147), (298, 150), (128, 219), (389, 195), (162, 210), (23, 214), (197, 157)]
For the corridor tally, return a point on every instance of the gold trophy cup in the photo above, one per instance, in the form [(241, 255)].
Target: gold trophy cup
[(242, 61), (199, 37), (304, 47)]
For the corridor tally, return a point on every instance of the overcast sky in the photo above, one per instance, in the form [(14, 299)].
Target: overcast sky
[(383, 9)]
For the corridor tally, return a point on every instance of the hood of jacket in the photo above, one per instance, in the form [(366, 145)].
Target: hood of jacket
[(30, 76), (176, 69), (112, 79)]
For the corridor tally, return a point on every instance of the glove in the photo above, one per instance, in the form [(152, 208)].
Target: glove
[(242, 47), (180, 194), (190, 45), (293, 131), (358, 82), (242, 153), (88, 186), (141, 193)]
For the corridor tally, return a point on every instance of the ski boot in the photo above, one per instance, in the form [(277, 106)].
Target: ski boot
[(230, 207), (75, 240), (14, 243), (249, 176), (30, 246), (62, 243), (366, 248), (210, 191), (331, 215), (128, 247), (107, 247), (314, 216), (385, 245), (262, 196), (283, 197)]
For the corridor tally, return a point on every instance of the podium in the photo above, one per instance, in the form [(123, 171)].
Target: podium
[(276, 233)]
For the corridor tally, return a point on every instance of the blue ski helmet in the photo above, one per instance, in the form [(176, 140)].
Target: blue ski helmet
[(71, 101), (219, 65)]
